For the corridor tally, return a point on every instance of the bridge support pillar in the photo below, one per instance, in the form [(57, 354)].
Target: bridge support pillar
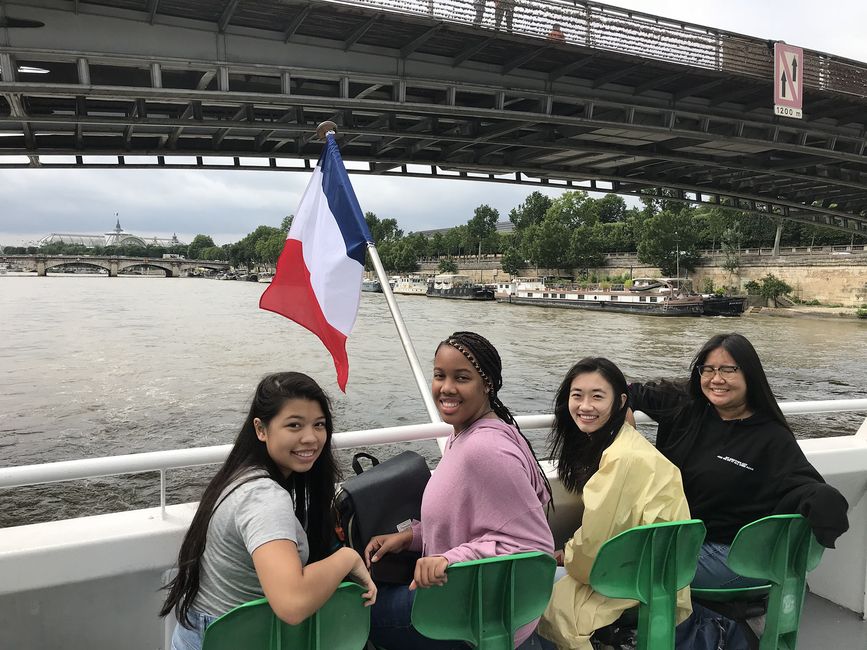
[(112, 269), (40, 268), (777, 238)]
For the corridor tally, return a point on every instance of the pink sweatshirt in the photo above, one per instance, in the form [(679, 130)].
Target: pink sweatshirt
[(486, 498)]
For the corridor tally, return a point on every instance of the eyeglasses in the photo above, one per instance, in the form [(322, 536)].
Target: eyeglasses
[(724, 371)]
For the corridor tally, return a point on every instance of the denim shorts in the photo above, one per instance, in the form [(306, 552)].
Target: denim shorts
[(191, 639)]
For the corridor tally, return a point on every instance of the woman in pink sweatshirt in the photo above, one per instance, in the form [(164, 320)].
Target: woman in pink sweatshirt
[(487, 496)]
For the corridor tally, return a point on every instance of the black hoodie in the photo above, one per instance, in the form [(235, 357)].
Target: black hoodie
[(736, 471)]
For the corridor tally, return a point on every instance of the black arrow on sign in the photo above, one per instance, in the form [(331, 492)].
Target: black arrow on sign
[(783, 80), (794, 69)]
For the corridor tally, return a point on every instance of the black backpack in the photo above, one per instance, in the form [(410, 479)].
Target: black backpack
[(384, 499)]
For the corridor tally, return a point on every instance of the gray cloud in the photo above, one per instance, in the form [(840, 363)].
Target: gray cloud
[(225, 204)]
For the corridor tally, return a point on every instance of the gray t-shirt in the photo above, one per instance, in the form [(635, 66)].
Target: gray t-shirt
[(257, 512)]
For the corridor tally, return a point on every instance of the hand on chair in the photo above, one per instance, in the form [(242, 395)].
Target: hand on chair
[(430, 571)]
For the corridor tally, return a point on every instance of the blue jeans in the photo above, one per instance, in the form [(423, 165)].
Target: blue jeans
[(191, 639), (391, 629), (714, 573)]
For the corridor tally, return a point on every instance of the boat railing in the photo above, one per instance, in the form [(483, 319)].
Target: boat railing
[(163, 461)]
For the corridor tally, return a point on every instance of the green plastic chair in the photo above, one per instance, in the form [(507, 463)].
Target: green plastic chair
[(485, 601), (342, 623), (780, 549), (650, 564)]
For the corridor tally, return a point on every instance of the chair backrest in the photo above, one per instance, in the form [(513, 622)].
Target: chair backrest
[(780, 549), (342, 623), (485, 601), (650, 564)]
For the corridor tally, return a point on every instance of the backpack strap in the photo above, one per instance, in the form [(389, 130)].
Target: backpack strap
[(356, 463)]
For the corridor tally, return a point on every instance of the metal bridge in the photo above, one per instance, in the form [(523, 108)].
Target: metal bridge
[(114, 264), (625, 102)]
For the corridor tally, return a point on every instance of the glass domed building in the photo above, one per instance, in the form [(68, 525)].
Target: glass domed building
[(116, 237)]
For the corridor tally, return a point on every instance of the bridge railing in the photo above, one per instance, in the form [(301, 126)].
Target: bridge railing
[(602, 27)]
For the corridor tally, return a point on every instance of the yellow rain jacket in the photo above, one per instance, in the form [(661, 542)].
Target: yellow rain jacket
[(635, 485)]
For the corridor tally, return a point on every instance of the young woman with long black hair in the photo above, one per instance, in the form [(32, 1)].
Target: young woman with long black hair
[(623, 481), (739, 458), (263, 526)]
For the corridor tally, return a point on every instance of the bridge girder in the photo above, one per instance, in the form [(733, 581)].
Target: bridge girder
[(576, 115)]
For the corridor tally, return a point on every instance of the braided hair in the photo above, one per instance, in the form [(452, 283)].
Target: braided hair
[(483, 356)]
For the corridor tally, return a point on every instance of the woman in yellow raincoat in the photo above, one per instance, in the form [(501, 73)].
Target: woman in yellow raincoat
[(624, 482)]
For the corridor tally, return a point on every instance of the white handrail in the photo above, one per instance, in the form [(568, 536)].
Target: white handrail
[(159, 461)]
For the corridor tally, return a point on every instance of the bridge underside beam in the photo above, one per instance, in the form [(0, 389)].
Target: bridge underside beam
[(532, 177), (424, 91)]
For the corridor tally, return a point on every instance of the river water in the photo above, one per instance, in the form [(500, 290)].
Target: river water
[(93, 366)]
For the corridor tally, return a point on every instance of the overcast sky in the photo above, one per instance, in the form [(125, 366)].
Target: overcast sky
[(228, 205)]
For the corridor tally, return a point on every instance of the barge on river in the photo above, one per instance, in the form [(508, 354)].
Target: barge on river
[(371, 286), (651, 297), (723, 305), (459, 287), (411, 285)]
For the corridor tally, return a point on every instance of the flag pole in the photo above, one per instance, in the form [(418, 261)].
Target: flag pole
[(424, 388)]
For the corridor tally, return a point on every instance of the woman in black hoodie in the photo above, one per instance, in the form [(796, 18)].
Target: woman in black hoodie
[(737, 455)]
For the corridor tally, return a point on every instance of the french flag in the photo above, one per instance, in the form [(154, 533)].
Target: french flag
[(318, 278)]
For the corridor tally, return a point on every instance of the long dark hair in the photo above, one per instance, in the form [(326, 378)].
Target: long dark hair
[(577, 454), (483, 356), (312, 491), (760, 398)]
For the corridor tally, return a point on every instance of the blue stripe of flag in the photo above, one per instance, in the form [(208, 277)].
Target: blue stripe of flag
[(342, 202)]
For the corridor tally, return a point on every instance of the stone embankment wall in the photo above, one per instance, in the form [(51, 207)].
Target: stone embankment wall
[(828, 276)]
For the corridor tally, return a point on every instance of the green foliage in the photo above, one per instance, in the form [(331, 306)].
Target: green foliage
[(482, 226), (512, 261), (586, 247), (531, 211), (574, 209), (455, 240), (402, 254), (382, 230), (665, 235), (861, 313), (616, 237), (612, 209), (770, 287), (436, 245), (262, 246), (447, 266), (127, 250), (773, 287), (543, 243), (214, 253), (707, 286), (199, 243)]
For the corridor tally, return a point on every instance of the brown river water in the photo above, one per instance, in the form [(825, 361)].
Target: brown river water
[(95, 366)]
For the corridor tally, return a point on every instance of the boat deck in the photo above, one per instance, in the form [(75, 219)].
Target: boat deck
[(826, 625)]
